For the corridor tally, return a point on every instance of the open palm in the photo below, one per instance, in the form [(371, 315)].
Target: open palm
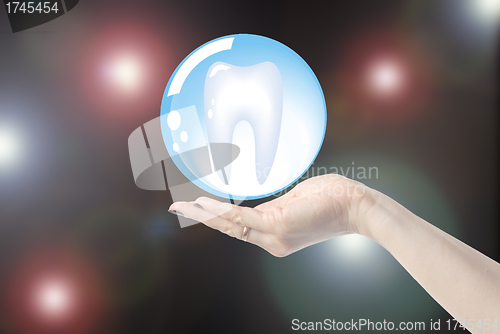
[(315, 210)]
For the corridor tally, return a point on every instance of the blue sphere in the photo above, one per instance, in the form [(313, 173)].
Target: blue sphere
[(254, 93)]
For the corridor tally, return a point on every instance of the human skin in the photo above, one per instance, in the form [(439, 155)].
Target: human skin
[(465, 282)]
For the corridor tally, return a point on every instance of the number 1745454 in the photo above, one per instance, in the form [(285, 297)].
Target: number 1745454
[(28, 7)]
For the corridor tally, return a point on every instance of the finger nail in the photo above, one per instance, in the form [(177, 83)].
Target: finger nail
[(198, 206), (175, 212)]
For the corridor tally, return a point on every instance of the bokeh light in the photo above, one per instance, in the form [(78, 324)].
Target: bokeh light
[(354, 248), (54, 291), (383, 79), (28, 146), (54, 297), (124, 69), (10, 148), (461, 36), (487, 9), (124, 72)]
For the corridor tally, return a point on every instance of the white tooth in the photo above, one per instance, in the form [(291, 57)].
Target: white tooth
[(253, 94)]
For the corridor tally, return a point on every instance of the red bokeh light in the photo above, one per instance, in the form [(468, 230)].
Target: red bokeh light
[(386, 77), (54, 292), (54, 297), (383, 78), (124, 69)]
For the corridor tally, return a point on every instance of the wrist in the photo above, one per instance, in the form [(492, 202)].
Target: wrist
[(375, 214)]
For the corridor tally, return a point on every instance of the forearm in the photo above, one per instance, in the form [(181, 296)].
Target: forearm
[(464, 281)]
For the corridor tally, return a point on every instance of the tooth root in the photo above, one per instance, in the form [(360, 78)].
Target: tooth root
[(253, 94), (266, 144), (225, 174)]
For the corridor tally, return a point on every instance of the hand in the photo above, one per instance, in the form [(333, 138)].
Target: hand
[(315, 210), (331, 205)]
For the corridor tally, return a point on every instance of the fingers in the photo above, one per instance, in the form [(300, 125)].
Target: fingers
[(242, 216), (193, 211), (189, 210)]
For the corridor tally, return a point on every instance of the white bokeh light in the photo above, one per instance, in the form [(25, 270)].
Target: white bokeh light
[(125, 72), (10, 147), (354, 247), (487, 9), (54, 298), (385, 77)]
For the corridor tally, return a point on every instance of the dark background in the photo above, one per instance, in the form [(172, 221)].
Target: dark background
[(69, 196)]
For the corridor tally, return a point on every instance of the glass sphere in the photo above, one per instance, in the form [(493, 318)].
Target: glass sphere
[(254, 93)]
